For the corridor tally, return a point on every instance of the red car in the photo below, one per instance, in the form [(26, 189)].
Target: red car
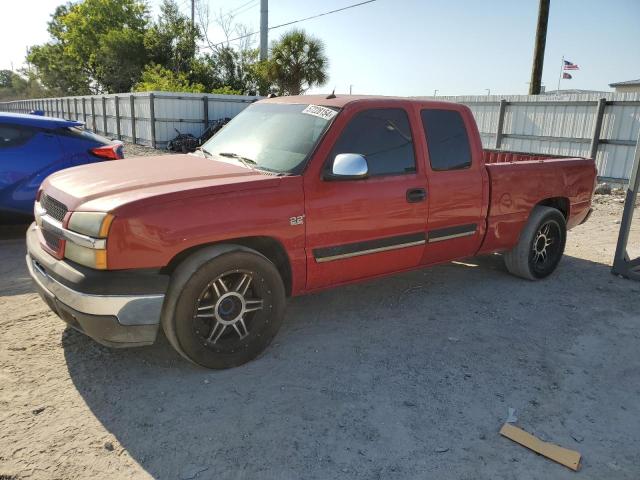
[(294, 195)]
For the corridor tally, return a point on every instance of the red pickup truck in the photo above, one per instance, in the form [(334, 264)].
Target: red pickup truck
[(294, 195)]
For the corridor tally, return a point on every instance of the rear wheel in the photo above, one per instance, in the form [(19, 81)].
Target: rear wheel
[(541, 245), (228, 311)]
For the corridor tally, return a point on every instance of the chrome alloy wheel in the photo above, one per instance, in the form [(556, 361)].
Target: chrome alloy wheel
[(225, 309), (546, 247)]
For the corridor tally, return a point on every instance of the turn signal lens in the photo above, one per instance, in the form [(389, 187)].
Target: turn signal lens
[(88, 257)]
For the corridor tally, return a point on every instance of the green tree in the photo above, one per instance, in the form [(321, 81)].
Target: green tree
[(17, 86), (171, 41), (297, 63), (5, 78), (96, 46), (158, 78)]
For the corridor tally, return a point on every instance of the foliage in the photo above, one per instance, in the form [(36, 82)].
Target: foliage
[(5, 78), (171, 41), (158, 78), (226, 90), (96, 46), (58, 71), (297, 63), (110, 46), (14, 86)]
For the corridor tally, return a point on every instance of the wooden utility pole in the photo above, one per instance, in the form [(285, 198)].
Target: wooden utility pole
[(538, 52)]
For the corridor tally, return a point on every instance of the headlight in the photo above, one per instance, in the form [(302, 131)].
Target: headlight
[(89, 257), (94, 224)]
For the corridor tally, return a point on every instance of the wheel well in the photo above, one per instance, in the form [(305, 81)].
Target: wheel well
[(559, 203), (267, 246)]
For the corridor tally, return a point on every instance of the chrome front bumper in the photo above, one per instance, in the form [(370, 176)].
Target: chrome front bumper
[(128, 310)]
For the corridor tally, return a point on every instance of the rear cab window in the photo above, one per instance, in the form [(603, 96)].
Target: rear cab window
[(383, 137), (447, 139)]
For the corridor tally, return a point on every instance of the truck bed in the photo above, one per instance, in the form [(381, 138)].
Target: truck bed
[(519, 181), (491, 156)]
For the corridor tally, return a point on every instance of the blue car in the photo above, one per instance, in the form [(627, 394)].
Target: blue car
[(32, 147)]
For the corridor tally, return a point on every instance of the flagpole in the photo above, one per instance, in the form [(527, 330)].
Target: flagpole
[(560, 76)]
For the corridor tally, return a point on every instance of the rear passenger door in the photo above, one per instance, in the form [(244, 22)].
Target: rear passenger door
[(458, 187)]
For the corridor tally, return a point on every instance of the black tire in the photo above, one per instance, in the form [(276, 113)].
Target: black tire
[(192, 295), (540, 246)]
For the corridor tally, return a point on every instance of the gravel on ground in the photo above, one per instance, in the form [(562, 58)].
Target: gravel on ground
[(407, 377)]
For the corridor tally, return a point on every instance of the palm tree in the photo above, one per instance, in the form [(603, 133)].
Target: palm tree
[(297, 63)]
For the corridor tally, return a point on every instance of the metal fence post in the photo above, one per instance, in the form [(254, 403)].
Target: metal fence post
[(597, 128), (152, 114), (132, 103), (84, 111), (205, 107), (104, 115), (116, 101), (499, 131), (622, 265), (75, 108), (68, 108), (93, 114)]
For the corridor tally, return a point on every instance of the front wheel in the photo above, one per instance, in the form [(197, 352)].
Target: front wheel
[(540, 246), (228, 310)]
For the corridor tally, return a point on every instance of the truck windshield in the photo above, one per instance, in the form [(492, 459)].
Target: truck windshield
[(273, 137)]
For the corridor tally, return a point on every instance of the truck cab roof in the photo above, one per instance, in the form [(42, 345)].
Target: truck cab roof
[(340, 101)]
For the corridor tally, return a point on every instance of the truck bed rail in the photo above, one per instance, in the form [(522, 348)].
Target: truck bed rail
[(502, 156)]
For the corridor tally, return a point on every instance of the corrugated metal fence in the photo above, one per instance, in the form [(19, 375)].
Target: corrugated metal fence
[(601, 126), (604, 126), (149, 118)]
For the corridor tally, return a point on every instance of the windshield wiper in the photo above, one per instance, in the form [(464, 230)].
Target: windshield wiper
[(247, 162), (205, 152)]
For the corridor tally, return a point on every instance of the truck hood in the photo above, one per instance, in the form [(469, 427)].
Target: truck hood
[(106, 186)]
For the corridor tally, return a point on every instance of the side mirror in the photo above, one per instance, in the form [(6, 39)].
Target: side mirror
[(349, 166)]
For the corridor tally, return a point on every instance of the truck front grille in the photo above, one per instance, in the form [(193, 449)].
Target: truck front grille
[(52, 240), (53, 207)]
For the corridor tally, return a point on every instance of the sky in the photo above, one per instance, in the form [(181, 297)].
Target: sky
[(415, 47)]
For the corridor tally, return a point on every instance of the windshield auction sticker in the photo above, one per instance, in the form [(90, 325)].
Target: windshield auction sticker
[(318, 111)]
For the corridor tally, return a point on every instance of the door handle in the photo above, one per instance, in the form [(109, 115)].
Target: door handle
[(415, 195)]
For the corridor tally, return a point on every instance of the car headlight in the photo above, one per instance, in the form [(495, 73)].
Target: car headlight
[(93, 224)]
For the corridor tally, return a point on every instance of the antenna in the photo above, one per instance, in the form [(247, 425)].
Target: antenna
[(332, 94)]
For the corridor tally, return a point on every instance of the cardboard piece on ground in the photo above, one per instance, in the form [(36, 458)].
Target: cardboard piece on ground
[(564, 456)]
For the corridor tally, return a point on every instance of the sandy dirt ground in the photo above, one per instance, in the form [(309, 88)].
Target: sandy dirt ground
[(408, 377)]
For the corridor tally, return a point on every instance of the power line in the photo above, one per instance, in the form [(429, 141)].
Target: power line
[(243, 11), (233, 10), (296, 21)]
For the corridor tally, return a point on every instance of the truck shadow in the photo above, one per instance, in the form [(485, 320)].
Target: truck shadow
[(364, 381)]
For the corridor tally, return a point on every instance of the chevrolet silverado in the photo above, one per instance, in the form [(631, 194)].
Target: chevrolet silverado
[(294, 195)]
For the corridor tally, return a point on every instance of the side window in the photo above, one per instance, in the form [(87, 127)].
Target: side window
[(383, 137), (447, 139), (14, 135)]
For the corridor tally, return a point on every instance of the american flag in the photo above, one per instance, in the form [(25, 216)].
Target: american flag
[(566, 76), (570, 66)]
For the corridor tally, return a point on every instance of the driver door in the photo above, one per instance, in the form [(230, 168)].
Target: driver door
[(359, 228)]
